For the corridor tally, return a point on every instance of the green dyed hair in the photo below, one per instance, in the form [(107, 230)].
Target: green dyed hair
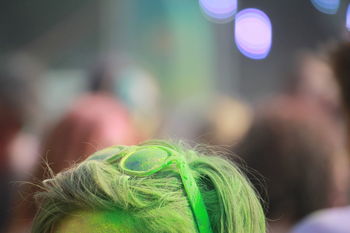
[(155, 203)]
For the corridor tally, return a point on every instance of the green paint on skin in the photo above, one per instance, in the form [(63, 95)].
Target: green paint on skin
[(96, 222)]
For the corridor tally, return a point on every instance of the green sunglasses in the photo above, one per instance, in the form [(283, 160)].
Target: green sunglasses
[(148, 159)]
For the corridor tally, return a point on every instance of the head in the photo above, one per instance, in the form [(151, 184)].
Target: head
[(134, 86), (18, 101), (85, 128), (107, 193), (294, 152), (313, 81), (227, 121)]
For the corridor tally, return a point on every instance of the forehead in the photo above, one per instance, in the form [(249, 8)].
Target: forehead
[(95, 222)]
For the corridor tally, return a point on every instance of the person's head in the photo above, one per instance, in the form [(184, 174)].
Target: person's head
[(227, 121), (136, 87), (18, 97), (313, 82), (95, 121), (340, 60), (152, 187), (295, 153)]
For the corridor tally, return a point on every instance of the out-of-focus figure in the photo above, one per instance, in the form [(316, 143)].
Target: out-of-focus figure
[(228, 120), (334, 220), (94, 122), (135, 87), (19, 107), (341, 64), (313, 83), (185, 120), (327, 221), (302, 167), (18, 110)]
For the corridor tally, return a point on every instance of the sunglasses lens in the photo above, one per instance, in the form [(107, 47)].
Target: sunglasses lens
[(105, 153), (145, 160)]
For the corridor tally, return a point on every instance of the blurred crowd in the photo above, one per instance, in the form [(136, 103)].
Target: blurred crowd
[(293, 146)]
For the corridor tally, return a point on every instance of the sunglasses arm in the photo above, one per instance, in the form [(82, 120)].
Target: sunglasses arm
[(195, 198)]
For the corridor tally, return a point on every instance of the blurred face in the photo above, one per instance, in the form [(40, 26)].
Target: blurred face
[(95, 222), (319, 82)]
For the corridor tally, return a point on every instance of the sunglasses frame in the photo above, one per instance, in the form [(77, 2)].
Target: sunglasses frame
[(113, 154)]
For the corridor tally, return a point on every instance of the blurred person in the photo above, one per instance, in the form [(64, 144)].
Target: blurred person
[(93, 122), (334, 220), (314, 79), (134, 86), (302, 167), (152, 187), (340, 60), (19, 74), (184, 120), (314, 83), (227, 122), (19, 108)]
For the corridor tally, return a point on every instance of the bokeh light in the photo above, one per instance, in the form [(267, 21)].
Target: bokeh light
[(219, 11), (348, 18), (326, 6), (253, 33)]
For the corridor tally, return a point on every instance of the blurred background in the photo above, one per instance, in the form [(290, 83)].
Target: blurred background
[(190, 55), (257, 78)]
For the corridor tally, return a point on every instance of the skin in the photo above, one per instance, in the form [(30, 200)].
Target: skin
[(96, 222)]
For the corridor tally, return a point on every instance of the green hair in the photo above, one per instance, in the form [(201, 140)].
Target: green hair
[(155, 203)]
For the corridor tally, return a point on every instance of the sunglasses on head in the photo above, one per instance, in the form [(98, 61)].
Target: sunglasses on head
[(146, 160)]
